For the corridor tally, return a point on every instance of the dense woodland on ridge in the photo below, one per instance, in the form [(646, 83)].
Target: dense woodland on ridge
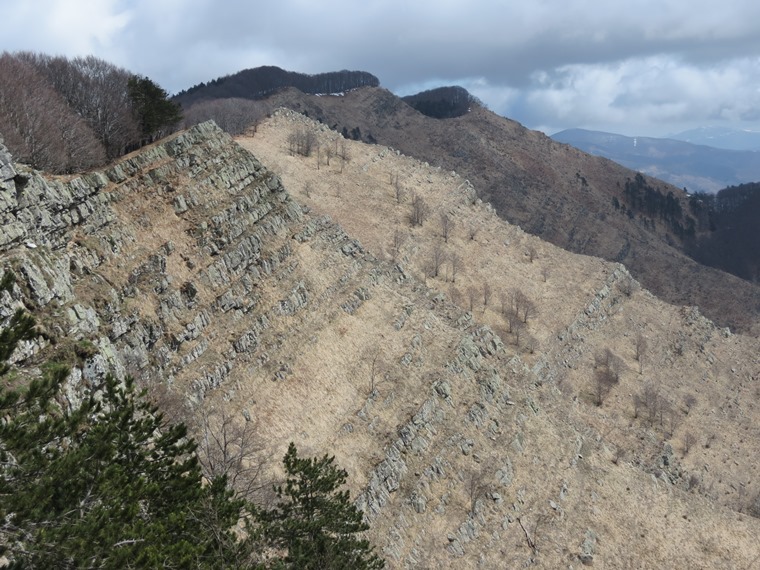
[(67, 115)]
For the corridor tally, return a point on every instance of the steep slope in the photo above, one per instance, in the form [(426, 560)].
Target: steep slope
[(190, 266), (549, 189), (701, 381)]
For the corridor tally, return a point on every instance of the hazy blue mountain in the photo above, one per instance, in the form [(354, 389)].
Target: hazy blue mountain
[(721, 137), (698, 168)]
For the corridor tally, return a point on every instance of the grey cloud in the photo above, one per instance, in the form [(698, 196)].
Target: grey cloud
[(545, 63)]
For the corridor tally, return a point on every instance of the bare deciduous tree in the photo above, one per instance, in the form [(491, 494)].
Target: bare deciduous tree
[(456, 263), (476, 488), (437, 257), (487, 292), (233, 115), (419, 210), (231, 447), (606, 374), (640, 346), (343, 153), (329, 152), (398, 241), (447, 225), (472, 295), (301, 141), (689, 400)]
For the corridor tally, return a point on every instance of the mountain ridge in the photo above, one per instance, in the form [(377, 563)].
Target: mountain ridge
[(549, 189), (698, 167), (193, 268)]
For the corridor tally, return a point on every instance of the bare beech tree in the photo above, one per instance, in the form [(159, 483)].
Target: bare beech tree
[(456, 263), (343, 153), (398, 242), (437, 257), (231, 447), (606, 374), (419, 210), (476, 488), (233, 115), (640, 346), (689, 439), (447, 225), (301, 141), (38, 125), (486, 294), (472, 295), (329, 153), (399, 191)]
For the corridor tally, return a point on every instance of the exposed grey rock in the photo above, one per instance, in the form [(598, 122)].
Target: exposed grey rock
[(588, 548)]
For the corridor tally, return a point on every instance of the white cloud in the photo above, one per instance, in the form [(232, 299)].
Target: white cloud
[(629, 66)]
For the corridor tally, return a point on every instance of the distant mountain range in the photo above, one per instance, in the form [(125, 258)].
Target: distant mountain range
[(721, 137), (696, 167)]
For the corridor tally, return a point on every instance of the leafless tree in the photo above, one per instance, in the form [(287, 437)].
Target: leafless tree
[(545, 273), (517, 328), (233, 115), (301, 141), (456, 263), (513, 320), (437, 257), (640, 346), (532, 252), (398, 241), (399, 191), (648, 400), (329, 152), (530, 343), (232, 448), (627, 286), (447, 225), (487, 292), (606, 374), (456, 295), (476, 488), (689, 401), (472, 295), (343, 153), (38, 125), (419, 210), (374, 372), (529, 310)]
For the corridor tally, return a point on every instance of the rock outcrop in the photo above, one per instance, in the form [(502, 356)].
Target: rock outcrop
[(189, 266)]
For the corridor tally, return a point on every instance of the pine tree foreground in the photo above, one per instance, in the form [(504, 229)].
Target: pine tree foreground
[(315, 522), (111, 484)]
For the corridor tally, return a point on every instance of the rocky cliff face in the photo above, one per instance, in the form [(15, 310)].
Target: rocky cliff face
[(188, 266)]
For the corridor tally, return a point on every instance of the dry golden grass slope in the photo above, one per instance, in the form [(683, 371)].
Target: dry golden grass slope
[(471, 452)]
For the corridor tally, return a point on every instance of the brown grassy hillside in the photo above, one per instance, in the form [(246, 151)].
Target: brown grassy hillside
[(296, 298), (681, 417), (549, 189)]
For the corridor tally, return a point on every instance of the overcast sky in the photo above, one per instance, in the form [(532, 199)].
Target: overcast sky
[(635, 67)]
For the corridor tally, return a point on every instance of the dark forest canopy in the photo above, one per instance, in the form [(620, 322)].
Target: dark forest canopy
[(732, 218), (259, 82), (442, 102)]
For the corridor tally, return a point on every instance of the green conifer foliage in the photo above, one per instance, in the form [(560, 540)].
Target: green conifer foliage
[(106, 485), (314, 522)]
